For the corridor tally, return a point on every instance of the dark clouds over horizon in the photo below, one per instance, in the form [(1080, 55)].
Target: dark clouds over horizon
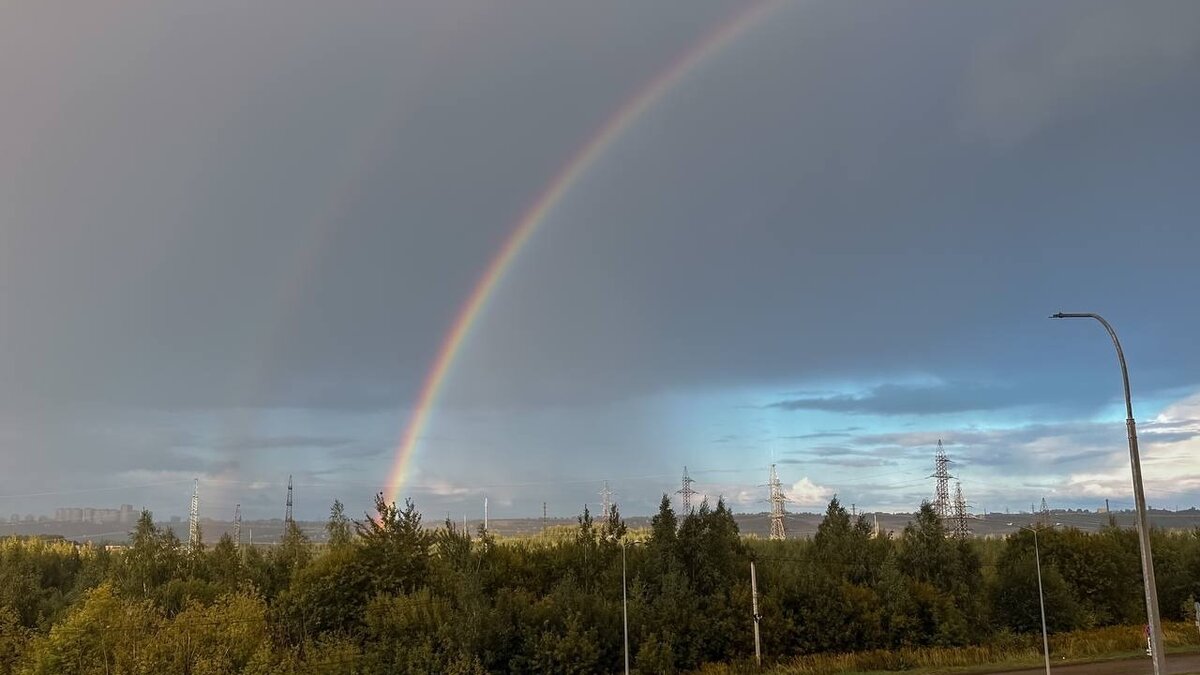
[(232, 239)]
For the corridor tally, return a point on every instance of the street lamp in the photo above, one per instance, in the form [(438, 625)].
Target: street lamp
[(625, 597), (1157, 654), (1037, 559)]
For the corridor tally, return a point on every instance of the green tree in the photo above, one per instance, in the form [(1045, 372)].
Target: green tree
[(395, 548), (338, 527)]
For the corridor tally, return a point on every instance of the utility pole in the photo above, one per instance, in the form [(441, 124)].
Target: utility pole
[(485, 514), (754, 600), (1157, 653), (287, 514), (685, 493), (543, 519)]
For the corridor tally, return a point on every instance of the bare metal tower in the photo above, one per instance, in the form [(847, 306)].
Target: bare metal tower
[(961, 530), (287, 515), (685, 493), (194, 518), (777, 500), (237, 526), (606, 500), (941, 471), (1044, 515)]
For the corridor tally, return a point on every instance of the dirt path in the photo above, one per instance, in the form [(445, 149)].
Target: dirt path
[(1176, 665)]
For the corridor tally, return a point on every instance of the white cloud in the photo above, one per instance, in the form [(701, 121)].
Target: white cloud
[(806, 493)]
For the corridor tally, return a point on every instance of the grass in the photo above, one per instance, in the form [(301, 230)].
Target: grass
[(1007, 652)]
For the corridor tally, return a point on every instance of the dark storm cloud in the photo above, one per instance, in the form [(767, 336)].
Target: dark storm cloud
[(852, 193)]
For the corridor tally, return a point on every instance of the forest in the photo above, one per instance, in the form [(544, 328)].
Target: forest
[(389, 594)]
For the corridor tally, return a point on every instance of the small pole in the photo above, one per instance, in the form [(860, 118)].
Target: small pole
[(1037, 558), (754, 600), (624, 608)]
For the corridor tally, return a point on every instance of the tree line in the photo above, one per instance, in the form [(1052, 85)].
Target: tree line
[(390, 595)]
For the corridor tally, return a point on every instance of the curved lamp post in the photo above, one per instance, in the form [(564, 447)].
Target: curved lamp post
[(1139, 498)]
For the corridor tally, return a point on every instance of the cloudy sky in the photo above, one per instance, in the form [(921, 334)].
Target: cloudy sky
[(232, 239)]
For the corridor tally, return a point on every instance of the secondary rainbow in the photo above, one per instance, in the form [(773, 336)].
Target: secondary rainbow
[(587, 154)]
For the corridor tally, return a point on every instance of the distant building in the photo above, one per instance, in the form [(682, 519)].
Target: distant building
[(123, 515)]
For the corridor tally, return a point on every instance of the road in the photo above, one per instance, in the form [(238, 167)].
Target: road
[(1177, 664)]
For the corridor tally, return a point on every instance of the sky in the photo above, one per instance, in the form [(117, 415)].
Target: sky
[(233, 238)]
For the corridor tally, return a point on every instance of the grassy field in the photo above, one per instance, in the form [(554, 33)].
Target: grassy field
[(1007, 652)]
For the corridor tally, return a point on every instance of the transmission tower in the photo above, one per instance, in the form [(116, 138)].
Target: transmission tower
[(194, 518), (1044, 515), (606, 500), (961, 531), (941, 471), (685, 493), (237, 526), (777, 500), (287, 514)]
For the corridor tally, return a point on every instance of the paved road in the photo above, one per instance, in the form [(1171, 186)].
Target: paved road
[(1176, 664)]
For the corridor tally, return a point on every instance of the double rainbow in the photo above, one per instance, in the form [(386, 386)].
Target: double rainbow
[(613, 128)]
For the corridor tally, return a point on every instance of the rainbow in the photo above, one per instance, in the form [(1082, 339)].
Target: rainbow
[(613, 128)]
